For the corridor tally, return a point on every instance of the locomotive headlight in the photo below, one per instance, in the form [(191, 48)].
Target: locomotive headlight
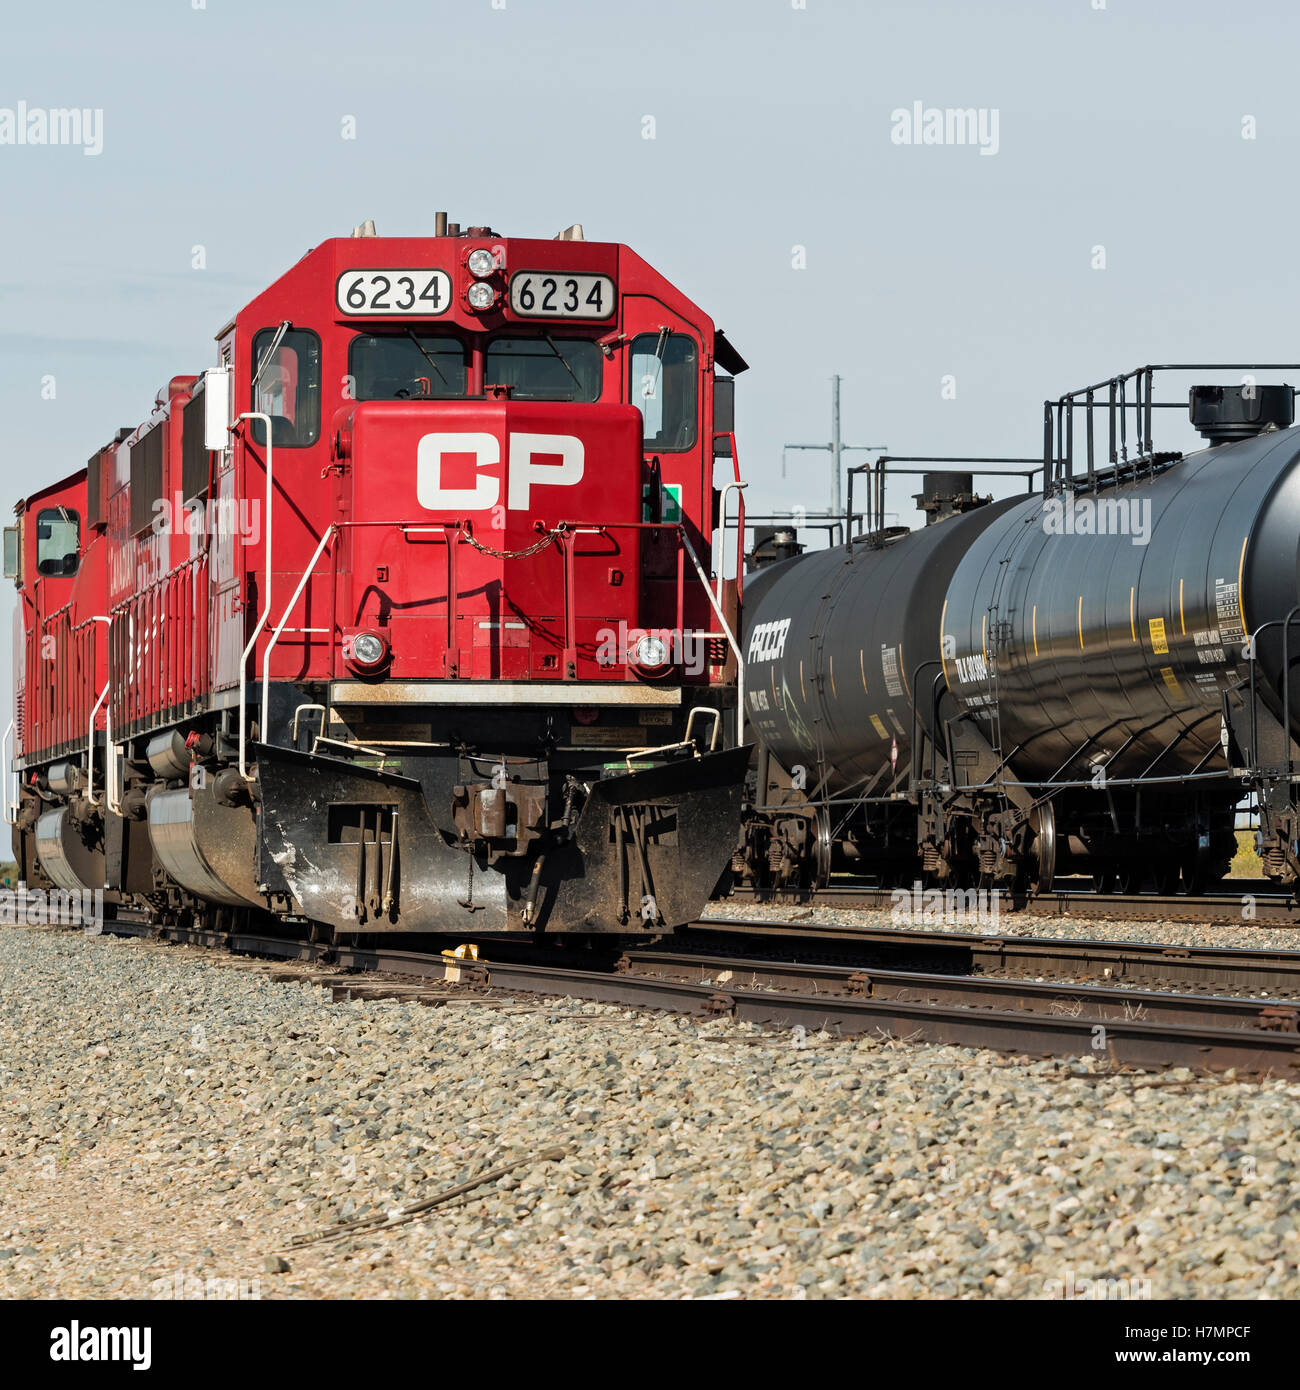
[(481, 263), (367, 650), (481, 295), (651, 651)]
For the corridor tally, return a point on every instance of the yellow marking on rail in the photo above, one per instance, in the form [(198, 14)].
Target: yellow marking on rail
[(1035, 621), (943, 647), (1182, 621), (1241, 591), (862, 667), (1132, 612), (834, 693), (1080, 622)]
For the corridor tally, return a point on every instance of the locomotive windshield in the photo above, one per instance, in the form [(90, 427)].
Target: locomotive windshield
[(407, 366), (664, 387), (545, 368), (286, 386), (58, 534)]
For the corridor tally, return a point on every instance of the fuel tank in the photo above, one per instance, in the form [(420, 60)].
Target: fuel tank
[(838, 642), (1106, 628)]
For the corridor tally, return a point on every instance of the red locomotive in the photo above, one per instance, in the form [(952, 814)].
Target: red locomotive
[(409, 615)]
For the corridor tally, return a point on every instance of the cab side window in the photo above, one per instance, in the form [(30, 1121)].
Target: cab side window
[(286, 386), (58, 538), (665, 386)]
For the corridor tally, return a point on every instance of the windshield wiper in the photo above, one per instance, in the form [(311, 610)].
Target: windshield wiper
[(410, 333), (550, 343)]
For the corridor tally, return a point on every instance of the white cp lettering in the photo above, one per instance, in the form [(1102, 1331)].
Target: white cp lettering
[(522, 470)]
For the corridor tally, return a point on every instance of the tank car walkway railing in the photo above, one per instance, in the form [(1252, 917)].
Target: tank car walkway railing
[(158, 646), (1132, 392)]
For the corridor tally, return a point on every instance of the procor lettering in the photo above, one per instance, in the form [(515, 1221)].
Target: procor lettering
[(552, 460), (767, 641)]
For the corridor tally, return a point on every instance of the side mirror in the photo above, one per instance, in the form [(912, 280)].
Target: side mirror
[(11, 552), (216, 409), (724, 414)]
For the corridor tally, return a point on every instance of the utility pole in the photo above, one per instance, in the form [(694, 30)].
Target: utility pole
[(837, 505), (837, 450)]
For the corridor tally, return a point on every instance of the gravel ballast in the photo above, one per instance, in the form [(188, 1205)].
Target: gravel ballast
[(1245, 935), (171, 1122)]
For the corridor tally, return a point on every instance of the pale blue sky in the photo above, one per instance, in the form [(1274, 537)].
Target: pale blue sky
[(221, 128)]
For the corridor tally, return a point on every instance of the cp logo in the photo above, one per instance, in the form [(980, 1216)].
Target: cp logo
[(551, 460)]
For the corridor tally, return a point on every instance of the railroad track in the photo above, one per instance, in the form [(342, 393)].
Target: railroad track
[(1270, 973), (1114, 1023), (1267, 906)]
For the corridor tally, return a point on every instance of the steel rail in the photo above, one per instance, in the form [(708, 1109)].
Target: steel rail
[(1269, 1048), (1266, 908)]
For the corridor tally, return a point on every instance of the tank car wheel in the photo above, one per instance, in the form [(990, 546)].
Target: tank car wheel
[(1200, 869), (1114, 877), (1044, 823), (821, 866), (1165, 879)]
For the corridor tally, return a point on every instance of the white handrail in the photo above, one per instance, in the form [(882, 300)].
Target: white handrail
[(734, 486), (726, 628), (266, 596), (90, 731), (10, 808), (275, 636)]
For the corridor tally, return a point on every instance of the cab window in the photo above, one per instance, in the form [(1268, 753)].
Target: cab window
[(407, 366), (665, 388), (286, 386), (58, 538), (545, 368)]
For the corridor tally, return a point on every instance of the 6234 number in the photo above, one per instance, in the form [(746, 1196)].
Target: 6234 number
[(540, 294), (375, 293)]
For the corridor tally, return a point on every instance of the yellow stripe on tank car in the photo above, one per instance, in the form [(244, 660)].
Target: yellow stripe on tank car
[(862, 667), (1182, 621), (1035, 624), (984, 638), (835, 694), (803, 694), (1241, 587), (1132, 612), (943, 646), (902, 671), (1080, 622)]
